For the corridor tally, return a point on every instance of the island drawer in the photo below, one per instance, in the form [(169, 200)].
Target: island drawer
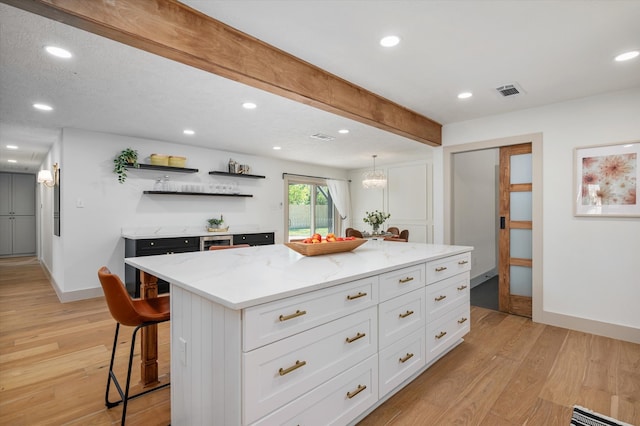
[(401, 360), (444, 332), (401, 316), (401, 281), (276, 374), (447, 267), (446, 293), (336, 402), (273, 321)]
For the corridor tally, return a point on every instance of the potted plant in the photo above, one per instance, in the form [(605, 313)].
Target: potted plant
[(215, 224), (376, 219), (127, 158)]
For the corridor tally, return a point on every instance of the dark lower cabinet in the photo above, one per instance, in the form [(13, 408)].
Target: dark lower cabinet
[(260, 239), (151, 247), (154, 246)]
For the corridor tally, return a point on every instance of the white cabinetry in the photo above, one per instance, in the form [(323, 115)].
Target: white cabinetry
[(17, 214), (448, 303), (327, 356)]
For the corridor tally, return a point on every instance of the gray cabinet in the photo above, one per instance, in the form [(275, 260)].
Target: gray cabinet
[(17, 214)]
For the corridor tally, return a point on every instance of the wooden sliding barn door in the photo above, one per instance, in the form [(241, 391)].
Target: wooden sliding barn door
[(516, 227)]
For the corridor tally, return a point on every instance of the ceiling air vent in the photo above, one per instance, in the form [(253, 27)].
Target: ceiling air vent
[(509, 90), (322, 137)]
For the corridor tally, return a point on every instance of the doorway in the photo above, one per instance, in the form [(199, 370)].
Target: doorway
[(483, 221)]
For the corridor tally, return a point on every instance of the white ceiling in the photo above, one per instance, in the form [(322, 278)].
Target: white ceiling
[(555, 50)]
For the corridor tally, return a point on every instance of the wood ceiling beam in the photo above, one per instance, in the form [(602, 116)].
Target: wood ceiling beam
[(170, 29)]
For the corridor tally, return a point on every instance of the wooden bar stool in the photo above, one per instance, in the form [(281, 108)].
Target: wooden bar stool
[(138, 313)]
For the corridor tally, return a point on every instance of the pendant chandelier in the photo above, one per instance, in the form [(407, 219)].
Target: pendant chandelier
[(374, 178)]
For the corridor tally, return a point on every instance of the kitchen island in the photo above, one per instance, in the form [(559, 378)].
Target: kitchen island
[(263, 335)]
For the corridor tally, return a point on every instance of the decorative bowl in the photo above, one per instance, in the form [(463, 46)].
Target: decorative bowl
[(176, 161), (159, 160), (306, 249)]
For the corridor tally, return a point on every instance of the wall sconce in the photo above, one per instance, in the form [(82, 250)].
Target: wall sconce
[(47, 179), (374, 178)]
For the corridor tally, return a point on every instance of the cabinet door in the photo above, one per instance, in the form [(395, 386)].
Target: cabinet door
[(24, 234), (5, 194), (24, 194), (6, 235)]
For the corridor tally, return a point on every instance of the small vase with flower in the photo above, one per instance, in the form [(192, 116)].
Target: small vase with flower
[(376, 219)]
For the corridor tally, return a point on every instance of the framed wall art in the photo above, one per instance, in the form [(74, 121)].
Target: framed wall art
[(606, 180)]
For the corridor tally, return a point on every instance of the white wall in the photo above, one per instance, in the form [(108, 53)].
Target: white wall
[(591, 271), (91, 235), (407, 197), (475, 212), (49, 245)]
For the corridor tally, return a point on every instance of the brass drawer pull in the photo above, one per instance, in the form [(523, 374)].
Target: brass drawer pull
[(405, 358), (462, 320), (295, 366), (441, 268), (294, 315), (462, 287), (360, 294), (406, 314), (405, 280), (357, 336), (439, 298), (463, 262), (441, 335), (357, 391)]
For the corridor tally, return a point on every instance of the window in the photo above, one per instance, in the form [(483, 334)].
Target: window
[(310, 208)]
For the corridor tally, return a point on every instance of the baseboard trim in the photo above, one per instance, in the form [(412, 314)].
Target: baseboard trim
[(614, 331), (83, 294), (71, 296), (479, 279)]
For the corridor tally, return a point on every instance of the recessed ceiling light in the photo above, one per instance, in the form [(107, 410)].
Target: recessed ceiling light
[(12, 161), (188, 132), (249, 105), (58, 51), (627, 56), (277, 148), (12, 147), (343, 131), (43, 107), (465, 95), (389, 41)]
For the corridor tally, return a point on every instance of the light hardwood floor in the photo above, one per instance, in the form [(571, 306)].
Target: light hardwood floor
[(509, 371)]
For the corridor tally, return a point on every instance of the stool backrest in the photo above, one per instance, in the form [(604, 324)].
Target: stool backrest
[(118, 300)]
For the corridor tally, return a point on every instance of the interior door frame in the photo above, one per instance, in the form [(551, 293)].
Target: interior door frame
[(447, 219)]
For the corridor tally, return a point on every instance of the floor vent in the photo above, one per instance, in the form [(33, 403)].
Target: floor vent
[(509, 90)]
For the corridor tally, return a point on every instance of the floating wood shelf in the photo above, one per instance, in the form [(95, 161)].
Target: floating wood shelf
[(241, 175), (208, 194), (162, 168)]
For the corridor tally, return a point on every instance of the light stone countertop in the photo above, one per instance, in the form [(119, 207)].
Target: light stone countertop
[(244, 277)]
